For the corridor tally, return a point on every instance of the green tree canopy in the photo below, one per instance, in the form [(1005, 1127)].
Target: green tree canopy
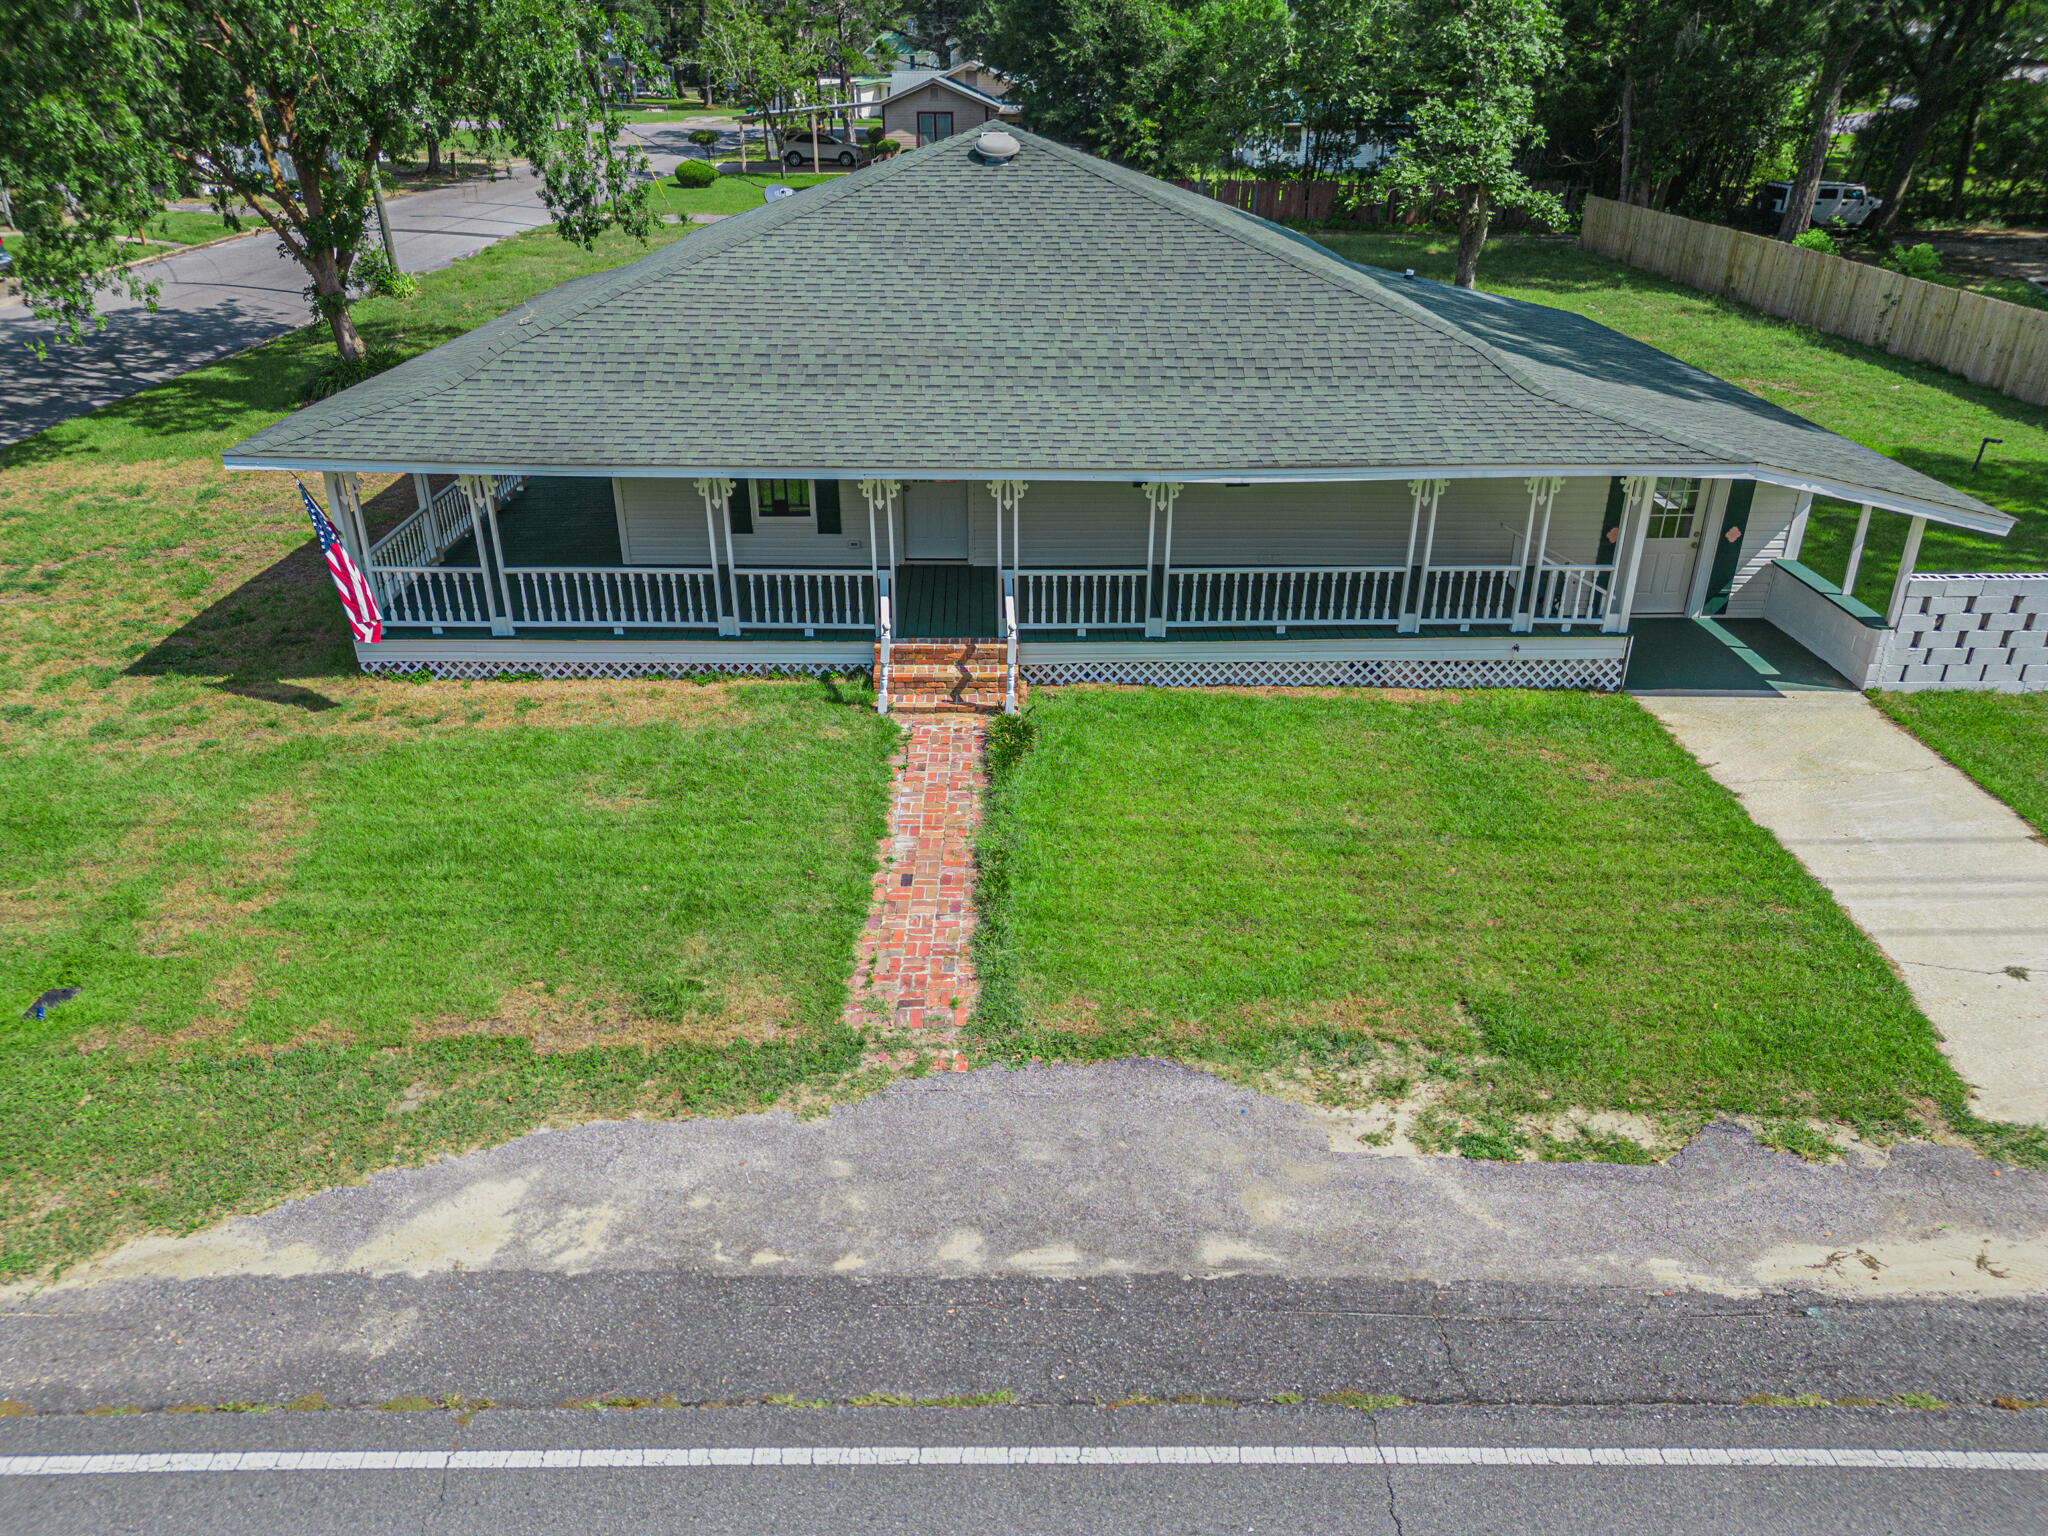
[(1469, 71), (286, 106)]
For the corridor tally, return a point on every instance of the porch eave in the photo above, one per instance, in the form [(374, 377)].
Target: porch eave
[(1997, 524)]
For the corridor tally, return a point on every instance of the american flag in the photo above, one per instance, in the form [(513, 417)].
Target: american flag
[(360, 603)]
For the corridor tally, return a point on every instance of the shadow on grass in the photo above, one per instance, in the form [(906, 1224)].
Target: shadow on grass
[(1565, 271), (283, 622)]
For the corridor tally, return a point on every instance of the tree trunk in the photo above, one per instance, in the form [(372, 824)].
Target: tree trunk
[(1959, 169), (1474, 214), (1628, 112), (1900, 177), (433, 154), (1826, 101), (347, 341)]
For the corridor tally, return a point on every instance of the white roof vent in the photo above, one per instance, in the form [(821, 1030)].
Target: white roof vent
[(992, 146)]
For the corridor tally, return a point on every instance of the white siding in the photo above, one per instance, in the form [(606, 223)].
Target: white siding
[(1763, 540), (661, 522)]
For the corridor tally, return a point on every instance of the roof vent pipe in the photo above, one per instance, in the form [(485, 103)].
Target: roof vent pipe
[(992, 146)]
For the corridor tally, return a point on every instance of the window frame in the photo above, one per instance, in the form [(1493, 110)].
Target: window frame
[(1687, 505), (767, 512)]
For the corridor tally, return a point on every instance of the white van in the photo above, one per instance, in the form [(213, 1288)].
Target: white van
[(1837, 202)]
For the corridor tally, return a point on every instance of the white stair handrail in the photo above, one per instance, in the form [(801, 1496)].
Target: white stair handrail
[(882, 644), (1009, 647)]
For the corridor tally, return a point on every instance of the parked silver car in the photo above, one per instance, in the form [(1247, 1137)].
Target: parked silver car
[(833, 149)]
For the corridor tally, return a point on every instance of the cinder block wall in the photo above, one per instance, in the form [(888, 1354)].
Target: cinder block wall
[(1981, 631)]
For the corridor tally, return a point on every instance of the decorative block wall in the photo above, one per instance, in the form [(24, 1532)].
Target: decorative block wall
[(1977, 631)]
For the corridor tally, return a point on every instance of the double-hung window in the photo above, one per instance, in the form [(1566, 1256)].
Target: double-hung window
[(782, 498)]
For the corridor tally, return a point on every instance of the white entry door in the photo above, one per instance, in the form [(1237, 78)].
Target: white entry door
[(1671, 546), (935, 520)]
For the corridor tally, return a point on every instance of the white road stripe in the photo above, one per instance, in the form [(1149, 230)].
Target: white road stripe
[(132, 1463)]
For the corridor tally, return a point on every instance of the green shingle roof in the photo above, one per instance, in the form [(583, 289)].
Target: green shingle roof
[(1053, 317)]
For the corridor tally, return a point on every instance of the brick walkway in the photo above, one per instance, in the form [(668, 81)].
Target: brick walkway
[(914, 969)]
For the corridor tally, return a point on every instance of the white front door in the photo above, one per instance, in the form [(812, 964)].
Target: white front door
[(1671, 546), (935, 520)]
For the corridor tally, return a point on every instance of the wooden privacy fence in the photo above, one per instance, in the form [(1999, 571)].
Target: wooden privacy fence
[(1988, 341), (1315, 202)]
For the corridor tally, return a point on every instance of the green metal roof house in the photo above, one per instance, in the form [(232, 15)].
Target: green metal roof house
[(1114, 428)]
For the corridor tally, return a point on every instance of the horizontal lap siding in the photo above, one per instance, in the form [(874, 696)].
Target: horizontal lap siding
[(1763, 540), (662, 523), (1083, 525)]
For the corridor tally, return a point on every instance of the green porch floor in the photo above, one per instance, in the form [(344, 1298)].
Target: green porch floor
[(1703, 655), (945, 602), (556, 520)]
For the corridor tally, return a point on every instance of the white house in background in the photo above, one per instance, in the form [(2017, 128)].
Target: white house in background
[(1143, 437)]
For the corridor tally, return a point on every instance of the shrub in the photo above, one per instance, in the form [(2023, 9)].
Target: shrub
[(1922, 261), (884, 148), (696, 173), (704, 138), (336, 375), (1816, 239)]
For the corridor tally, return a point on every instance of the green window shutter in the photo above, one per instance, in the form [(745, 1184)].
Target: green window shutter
[(1610, 525), (825, 502), (742, 507), (1728, 547)]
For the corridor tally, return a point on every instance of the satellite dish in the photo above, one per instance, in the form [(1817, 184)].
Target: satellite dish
[(775, 194)]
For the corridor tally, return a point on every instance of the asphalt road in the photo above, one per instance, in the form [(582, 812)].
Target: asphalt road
[(1310, 1469), (225, 298)]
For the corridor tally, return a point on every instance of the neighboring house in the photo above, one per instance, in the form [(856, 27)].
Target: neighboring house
[(929, 105), (1291, 151), (1143, 437)]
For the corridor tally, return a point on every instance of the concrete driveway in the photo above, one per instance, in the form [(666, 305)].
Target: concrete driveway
[(1950, 883)]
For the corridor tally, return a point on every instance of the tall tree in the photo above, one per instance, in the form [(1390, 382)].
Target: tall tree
[(1229, 84), (285, 107), (1947, 53), (1845, 30), (1092, 72), (1470, 69)]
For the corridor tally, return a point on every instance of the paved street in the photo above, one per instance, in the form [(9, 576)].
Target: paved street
[(1078, 1468)]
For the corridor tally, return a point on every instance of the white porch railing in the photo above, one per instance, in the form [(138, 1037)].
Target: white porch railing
[(434, 529), (1080, 599), (618, 597), (1471, 594), (1284, 595), (814, 599), (1572, 594), (434, 595)]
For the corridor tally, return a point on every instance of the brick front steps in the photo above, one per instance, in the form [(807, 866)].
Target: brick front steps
[(929, 677)]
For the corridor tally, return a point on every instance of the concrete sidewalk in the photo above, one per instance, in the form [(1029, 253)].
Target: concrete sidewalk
[(1951, 884)]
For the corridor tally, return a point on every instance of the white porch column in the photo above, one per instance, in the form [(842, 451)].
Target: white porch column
[(717, 494), (423, 491), (1009, 495), (1535, 543), (880, 496), (476, 492), (1160, 495), (1429, 493), (1856, 550), (345, 512), (1640, 491), (1795, 535), (1896, 608)]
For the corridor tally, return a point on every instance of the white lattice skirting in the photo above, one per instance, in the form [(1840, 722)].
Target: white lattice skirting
[(556, 670), (1602, 674)]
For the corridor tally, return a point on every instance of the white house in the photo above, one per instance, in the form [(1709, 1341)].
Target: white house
[(1142, 436)]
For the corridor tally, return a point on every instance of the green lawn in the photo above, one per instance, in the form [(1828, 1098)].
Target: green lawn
[(728, 194), (179, 227), (1998, 739), (1919, 415), (1530, 901), (323, 922)]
